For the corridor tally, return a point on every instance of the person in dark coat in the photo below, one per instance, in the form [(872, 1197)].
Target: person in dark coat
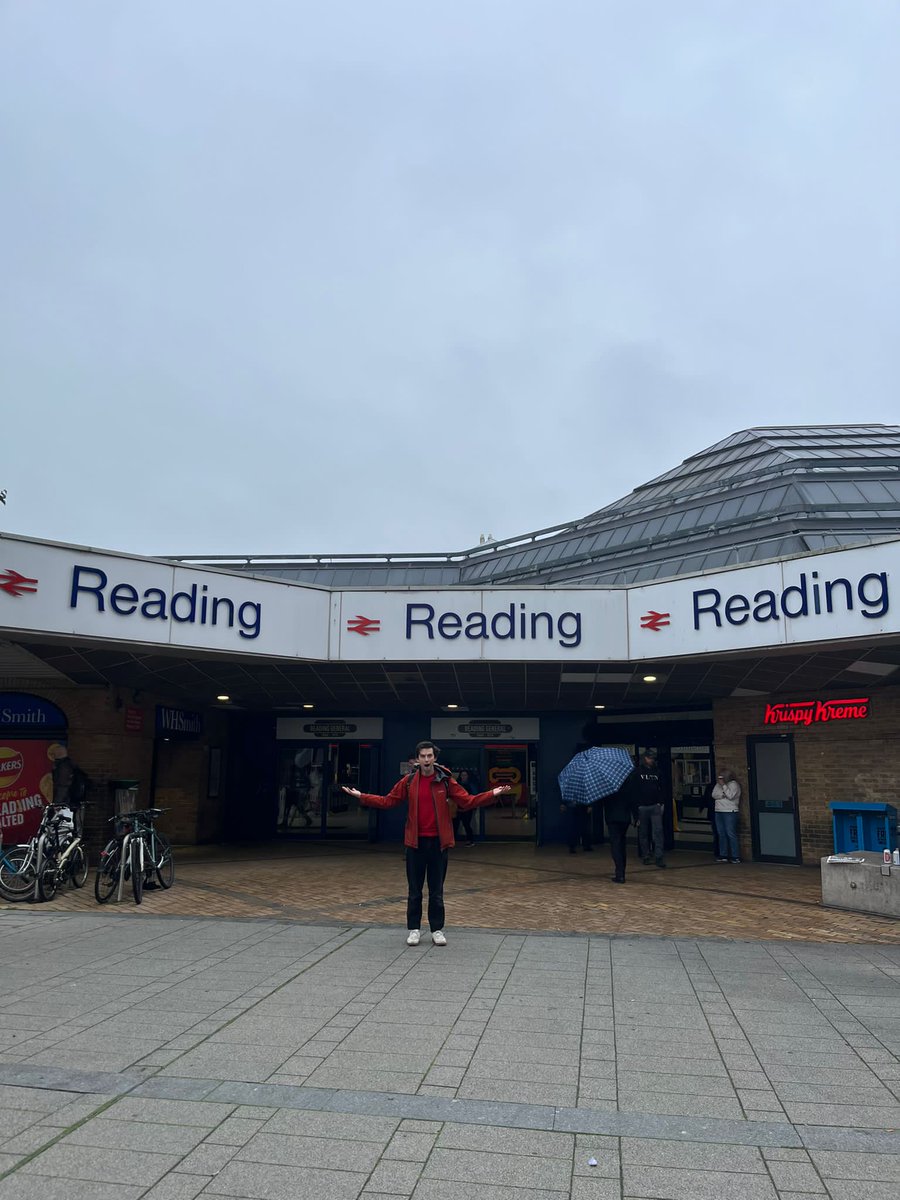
[(621, 810), (462, 816)]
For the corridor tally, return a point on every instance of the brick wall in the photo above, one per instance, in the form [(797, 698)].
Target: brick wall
[(102, 746), (837, 760)]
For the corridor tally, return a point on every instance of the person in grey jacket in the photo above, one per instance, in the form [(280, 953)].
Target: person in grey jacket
[(727, 797)]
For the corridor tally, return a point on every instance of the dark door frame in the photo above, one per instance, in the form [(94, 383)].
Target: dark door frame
[(754, 740)]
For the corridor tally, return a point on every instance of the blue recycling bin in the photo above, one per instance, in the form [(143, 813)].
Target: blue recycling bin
[(859, 826)]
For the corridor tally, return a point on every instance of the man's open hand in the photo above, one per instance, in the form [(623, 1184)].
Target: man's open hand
[(502, 789), (352, 792)]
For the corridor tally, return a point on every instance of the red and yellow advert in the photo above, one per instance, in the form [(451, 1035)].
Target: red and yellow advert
[(26, 785)]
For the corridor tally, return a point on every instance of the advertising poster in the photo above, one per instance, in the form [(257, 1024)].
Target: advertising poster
[(26, 785)]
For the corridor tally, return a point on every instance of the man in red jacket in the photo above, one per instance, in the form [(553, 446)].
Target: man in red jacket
[(428, 834)]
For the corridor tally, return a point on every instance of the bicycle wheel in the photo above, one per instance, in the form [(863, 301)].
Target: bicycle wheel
[(48, 879), (16, 873), (78, 867), (165, 863), (107, 879), (137, 870)]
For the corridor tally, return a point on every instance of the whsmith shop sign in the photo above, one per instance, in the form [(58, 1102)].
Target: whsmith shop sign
[(112, 598)]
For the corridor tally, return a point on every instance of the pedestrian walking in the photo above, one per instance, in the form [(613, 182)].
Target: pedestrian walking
[(727, 797), (621, 810), (580, 819), (428, 835), (650, 811)]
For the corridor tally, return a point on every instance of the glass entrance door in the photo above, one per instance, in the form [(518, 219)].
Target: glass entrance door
[(774, 819), (311, 799)]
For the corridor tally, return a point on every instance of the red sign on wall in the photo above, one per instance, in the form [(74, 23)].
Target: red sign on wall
[(134, 720), (26, 785), (816, 712)]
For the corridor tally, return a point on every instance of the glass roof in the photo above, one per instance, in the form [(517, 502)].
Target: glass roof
[(760, 493)]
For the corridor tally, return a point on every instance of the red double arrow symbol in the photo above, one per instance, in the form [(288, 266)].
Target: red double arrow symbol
[(363, 625), (15, 584), (655, 620)]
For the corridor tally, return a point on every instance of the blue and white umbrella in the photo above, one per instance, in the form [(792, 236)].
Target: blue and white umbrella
[(594, 773)]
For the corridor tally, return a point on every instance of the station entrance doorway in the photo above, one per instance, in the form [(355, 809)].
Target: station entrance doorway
[(479, 767)]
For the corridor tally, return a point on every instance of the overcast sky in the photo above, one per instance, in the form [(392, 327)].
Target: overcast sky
[(366, 275)]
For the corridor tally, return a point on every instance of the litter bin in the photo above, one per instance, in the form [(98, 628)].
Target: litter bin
[(125, 795), (859, 826)]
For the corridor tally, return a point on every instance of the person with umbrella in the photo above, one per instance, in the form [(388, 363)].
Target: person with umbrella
[(605, 773)]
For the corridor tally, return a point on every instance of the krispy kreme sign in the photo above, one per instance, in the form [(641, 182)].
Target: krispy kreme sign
[(816, 712)]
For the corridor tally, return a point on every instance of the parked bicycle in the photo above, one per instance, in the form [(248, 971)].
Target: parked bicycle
[(61, 856), (136, 853), (54, 856)]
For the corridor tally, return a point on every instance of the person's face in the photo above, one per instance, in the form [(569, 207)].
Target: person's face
[(425, 759)]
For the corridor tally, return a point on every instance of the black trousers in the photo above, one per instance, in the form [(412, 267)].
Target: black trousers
[(464, 819), (429, 862), (580, 820), (618, 831)]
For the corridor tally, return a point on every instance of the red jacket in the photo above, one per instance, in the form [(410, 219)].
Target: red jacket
[(443, 789)]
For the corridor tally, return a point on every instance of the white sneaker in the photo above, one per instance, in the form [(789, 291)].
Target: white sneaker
[(438, 938), (412, 938)]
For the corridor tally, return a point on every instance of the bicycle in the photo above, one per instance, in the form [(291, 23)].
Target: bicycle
[(35, 869), (60, 854), (17, 874), (136, 852)]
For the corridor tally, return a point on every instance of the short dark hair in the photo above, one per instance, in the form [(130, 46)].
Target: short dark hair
[(426, 746)]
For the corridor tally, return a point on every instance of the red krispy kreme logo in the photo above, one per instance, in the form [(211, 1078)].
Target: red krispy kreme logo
[(816, 712), (15, 584), (655, 620), (363, 625)]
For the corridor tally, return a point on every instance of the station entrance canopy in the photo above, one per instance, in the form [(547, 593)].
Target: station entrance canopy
[(809, 622), (67, 591)]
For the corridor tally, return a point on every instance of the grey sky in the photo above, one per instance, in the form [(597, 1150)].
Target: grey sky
[(285, 276)]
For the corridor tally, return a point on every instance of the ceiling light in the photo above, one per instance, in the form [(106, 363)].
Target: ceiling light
[(309, 706), (451, 706), (598, 706), (223, 697), (649, 679)]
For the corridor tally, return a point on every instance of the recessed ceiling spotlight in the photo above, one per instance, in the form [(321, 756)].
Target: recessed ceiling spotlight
[(223, 697), (309, 706), (649, 679), (599, 706), (451, 706)]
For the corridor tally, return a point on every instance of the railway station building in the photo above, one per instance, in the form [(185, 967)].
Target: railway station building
[(740, 610)]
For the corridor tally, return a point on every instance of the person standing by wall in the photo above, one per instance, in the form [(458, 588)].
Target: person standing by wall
[(727, 798), (428, 834), (463, 816)]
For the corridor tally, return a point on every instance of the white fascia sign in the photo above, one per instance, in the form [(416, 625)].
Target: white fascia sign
[(469, 626), (807, 600), (47, 588)]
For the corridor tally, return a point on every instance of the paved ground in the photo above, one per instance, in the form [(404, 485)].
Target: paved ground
[(168, 1057), (508, 886)]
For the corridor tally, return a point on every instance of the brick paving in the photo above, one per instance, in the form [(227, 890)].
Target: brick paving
[(503, 886)]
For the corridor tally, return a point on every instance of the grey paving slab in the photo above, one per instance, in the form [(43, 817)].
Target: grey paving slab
[(843, 1164), (47, 1187), (265, 1181), (137, 1167), (706, 1156), (675, 1183), (444, 1189), (136, 1135), (328, 1153)]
